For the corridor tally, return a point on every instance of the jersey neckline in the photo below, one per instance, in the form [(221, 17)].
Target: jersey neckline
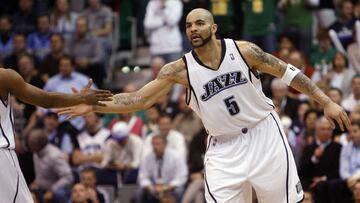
[(223, 51)]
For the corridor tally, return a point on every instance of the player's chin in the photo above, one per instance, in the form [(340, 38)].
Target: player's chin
[(196, 43)]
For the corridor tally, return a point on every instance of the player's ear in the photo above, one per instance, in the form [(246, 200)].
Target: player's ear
[(214, 28)]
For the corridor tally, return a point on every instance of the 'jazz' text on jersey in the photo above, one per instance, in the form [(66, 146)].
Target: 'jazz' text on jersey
[(221, 83)]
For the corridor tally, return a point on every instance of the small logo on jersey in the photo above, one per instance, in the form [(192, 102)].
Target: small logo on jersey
[(232, 57), (298, 187), (221, 83), (292, 68)]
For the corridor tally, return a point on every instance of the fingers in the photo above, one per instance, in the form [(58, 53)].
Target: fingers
[(340, 122), (103, 91), (100, 104), (63, 111), (346, 120), (331, 122), (90, 82)]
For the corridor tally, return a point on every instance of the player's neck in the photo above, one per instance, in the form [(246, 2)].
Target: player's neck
[(210, 51)]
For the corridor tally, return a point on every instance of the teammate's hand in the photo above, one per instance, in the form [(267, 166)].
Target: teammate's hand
[(332, 112), (93, 97), (75, 111)]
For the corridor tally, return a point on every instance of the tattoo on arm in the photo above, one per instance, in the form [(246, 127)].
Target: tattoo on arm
[(127, 99), (169, 71)]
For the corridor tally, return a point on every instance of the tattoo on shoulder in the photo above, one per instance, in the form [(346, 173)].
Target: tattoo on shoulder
[(127, 99), (170, 71), (258, 54)]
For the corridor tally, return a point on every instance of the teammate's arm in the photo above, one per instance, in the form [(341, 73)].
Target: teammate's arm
[(28, 93), (267, 63), (144, 98)]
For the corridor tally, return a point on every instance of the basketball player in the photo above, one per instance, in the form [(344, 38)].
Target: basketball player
[(13, 187), (247, 146)]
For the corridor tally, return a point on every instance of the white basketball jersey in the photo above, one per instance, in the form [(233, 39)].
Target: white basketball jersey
[(227, 99), (7, 130)]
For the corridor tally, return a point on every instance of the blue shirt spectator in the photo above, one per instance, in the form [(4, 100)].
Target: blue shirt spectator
[(39, 41)]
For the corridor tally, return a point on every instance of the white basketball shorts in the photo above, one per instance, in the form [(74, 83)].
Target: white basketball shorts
[(258, 158), (13, 186)]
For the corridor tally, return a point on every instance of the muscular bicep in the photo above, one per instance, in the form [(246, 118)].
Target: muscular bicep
[(262, 61)]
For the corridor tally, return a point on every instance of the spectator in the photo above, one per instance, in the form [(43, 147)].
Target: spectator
[(259, 24), (57, 137), (6, 37), (19, 48), (87, 52), (153, 115), (344, 24), (29, 73), (24, 20), (80, 194), (298, 23), (39, 41), (175, 140), (123, 152), (308, 197), (287, 105), (156, 64), (353, 99), (50, 65), (335, 95), (100, 23), (186, 121), (88, 179), (195, 190), (339, 76), (323, 52), (161, 22), (353, 52), (63, 20), (325, 13), (340, 189), (53, 175), (135, 124), (91, 142), (163, 173), (320, 161), (66, 79)]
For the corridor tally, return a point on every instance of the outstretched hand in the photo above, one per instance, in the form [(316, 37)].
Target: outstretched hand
[(75, 111), (332, 112), (93, 97)]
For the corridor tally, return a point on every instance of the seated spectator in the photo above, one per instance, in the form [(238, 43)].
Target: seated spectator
[(39, 41), (24, 20), (66, 79), (100, 22), (87, 52), (323, 52), (175, 140), (335, 95), (320, 161), (50, 65), (53, 175), (79, 194), (6, 37), (134, 123), (56, 136), (63, 19), (344, 24), (153, 116), (195, 189), (350, 102), (91, 143), (19, 48), (287, 105), (163, 173), (88, 179), (340, 189), (123, 152), (186, 121)]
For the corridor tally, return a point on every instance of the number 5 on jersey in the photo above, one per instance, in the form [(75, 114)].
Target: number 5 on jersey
[(231, 105)]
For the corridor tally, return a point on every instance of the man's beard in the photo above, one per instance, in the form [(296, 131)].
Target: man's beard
[(204, 41)]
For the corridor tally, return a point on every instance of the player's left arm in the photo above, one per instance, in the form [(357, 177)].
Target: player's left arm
[(267, 63)]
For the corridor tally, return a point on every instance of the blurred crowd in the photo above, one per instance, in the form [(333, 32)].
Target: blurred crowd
[(59, 44)]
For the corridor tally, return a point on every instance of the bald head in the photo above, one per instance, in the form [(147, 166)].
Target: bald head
[(201, 13)]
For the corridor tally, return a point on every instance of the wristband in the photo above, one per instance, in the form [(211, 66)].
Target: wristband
[(290, 73)]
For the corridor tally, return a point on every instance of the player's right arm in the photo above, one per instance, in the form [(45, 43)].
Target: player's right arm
[(142, 99), (11, 81)]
